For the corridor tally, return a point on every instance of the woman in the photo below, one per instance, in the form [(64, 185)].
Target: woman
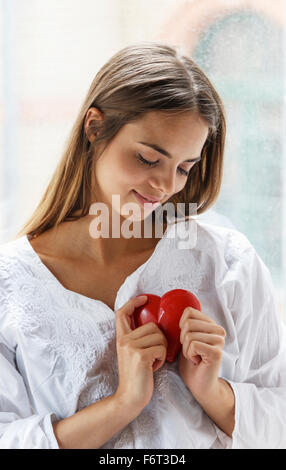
[(74, 373)]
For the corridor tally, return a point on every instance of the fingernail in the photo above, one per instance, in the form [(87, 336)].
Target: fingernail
[(142, 297)]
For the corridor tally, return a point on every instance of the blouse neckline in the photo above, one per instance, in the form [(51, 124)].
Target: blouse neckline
[(82, 297)]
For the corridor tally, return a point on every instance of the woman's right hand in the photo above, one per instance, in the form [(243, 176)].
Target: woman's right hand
[(140, 353)]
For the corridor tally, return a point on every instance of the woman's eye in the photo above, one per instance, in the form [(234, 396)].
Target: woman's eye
[(147, 162)]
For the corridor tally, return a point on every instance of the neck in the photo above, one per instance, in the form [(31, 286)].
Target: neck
[(74, 240)]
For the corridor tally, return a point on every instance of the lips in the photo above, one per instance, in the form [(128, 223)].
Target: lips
[(150, 198), (146, 198)]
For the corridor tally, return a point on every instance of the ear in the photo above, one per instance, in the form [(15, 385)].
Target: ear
[(93, 114)]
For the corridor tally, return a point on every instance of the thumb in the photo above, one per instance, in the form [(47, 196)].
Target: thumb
[(123, 314)]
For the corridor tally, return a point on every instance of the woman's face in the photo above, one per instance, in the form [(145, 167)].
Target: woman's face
[(121, 169)]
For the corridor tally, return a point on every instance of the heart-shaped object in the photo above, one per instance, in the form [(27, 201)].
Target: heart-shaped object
[(166, 312)]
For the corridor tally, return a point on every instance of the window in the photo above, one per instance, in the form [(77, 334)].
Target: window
[(242, 54), (52, 50)]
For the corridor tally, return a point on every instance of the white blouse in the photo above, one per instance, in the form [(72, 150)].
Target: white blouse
[(58, 347)]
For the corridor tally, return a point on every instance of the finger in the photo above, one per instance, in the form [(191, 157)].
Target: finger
[(206, 338), (191, 312), (209, 353), (195, 358), (198, 326), (142, 330), (147, 328), (154, 339), (155, 353), (157, 364), (123, 314)]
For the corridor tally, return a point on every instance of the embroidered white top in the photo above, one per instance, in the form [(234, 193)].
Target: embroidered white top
[(58, 347)]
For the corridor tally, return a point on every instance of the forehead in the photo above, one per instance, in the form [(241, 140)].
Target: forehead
[(177, 132)]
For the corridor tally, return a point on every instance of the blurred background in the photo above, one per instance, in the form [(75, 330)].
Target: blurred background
[(51, 51)]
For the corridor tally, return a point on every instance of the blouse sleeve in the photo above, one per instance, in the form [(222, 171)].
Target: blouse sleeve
[(259, 381), (20, 427)]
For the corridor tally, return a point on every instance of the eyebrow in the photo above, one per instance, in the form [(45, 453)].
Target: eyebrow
[(167, 154)]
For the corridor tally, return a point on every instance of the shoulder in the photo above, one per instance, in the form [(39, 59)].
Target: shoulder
[(242, 279), (231, 241), (11, 252), (22, 286), (223, 243), (238, 263), (16, 261)]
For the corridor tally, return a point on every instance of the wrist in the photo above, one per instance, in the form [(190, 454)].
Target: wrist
[(219, 405), (122, 402), (216, 393)]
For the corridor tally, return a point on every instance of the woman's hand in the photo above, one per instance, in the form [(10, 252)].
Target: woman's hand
[(199, 360), (140, 353)]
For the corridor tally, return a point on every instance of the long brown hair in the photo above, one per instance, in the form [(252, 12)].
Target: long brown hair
[(149, 76)]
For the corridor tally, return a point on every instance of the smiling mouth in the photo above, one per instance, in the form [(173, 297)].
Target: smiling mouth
[(143, 200)]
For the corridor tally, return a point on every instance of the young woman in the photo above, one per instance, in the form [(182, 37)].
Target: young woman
[(74, 374)]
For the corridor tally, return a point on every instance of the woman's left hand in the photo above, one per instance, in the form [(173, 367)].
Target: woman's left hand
[(199, 360)]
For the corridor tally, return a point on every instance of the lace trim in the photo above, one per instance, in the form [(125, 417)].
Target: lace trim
[(192, 271)]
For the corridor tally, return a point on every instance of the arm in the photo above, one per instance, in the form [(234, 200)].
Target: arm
[(138, 352), (248, 402), (258, 379), (199, 362), (259, 384), (219, 405), (20, 428), (93, 426)]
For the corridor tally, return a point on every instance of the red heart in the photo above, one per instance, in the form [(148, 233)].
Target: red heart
[(166, 312)]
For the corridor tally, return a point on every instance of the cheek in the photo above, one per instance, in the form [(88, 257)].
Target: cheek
[(120, 174), (130, 172), (126, 178)]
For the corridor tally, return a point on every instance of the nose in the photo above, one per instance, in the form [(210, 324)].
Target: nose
[(165, 182)]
